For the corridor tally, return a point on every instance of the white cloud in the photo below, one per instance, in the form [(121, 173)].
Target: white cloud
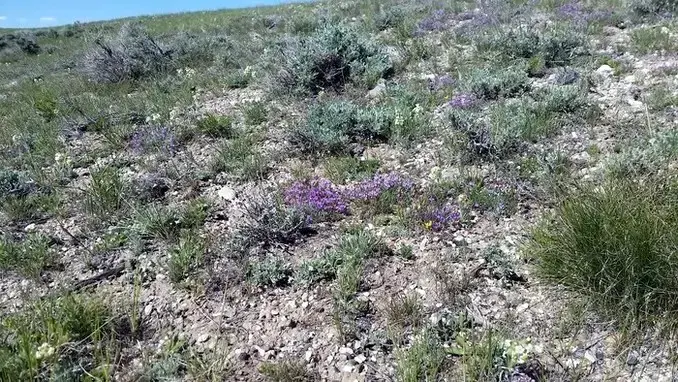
[(3, 18), (47, 19)]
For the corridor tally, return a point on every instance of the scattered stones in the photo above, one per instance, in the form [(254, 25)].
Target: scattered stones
[(632, 358)]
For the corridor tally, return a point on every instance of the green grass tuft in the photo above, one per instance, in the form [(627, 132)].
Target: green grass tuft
[(616, 245)]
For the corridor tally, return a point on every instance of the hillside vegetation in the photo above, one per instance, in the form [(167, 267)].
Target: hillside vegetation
[(352, 190)]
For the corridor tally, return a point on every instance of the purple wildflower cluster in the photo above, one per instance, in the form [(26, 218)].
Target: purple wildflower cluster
[(472, 23), (437, 219), (576, 12), (441, 82), (318, 194), (321, 195), (153, 138), (438, 20), (463, 101), (373, 188)]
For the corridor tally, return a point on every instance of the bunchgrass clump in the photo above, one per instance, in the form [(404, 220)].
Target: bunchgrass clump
[(286, 372), (64, 338), (28, 257), (241, 159), (423, 360), (255, 113), (168, 222), (186, 257), (344, 169), (652, 39), (105, 194), (614, 244), (654, 7), (216, 126), (357, 246), (22, 199)]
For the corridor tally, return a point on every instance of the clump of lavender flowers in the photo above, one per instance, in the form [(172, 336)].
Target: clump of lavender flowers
[(153, 138), (463, 101), (439, 218), (373, 188), (318, 195), (576, 12), (436, 21)]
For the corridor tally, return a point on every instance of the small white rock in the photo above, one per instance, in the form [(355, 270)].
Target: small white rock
[(226, 193), (360, 358), (345, 350), (605, 71)]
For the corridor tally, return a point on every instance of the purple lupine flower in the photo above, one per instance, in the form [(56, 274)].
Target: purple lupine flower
[(149, 138), (318, 194), (373, 188), (463, 101), (438, 218), (436, 21), (571, 10)]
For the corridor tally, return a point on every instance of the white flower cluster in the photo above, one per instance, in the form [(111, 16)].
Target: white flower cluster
[(249, 72), (153, 118), (186, 72), (45, 351), (517, 352), (399, 119)]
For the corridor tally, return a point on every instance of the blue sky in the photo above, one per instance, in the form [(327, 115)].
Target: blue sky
[(44, 13)]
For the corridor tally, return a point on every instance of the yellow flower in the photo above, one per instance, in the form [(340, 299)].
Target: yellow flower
[(428, 225)]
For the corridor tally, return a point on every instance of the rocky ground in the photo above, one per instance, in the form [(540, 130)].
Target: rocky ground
[(473, 270)]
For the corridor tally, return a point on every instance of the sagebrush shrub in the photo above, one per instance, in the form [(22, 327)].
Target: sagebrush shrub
[(23, 42), (132, 55), (491, 85), (616, 244), (331, 127), (389, 18), (331, 58), (645, 7), (555, 46)]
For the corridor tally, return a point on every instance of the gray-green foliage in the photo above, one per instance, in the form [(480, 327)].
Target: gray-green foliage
[(331, 58), (216, 126), (331, 127), (269, 272), (645, 7), (505, 127), (491, 85), (134, 54), (558, 45), (423, 360), (241, 158), (168, 222)]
